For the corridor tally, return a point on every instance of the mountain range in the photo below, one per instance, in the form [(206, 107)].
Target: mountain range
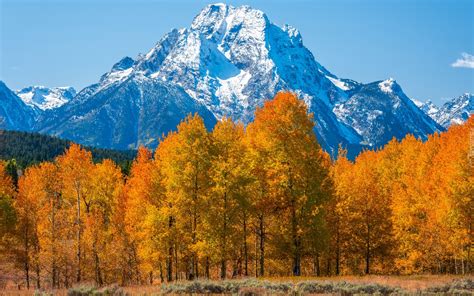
[(226, 63)]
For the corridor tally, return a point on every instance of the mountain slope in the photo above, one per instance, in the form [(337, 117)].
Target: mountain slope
[(46, 98), (14, 113), (123, 113), (455, 111), (380, 110)]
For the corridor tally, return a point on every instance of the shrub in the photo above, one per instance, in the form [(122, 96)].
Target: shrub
[(343, 288), (112, 290), (456, 287)]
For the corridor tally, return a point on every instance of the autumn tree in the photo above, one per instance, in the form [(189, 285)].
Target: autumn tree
[(27, 206), (226, 216), (187, 177), (76, 166), (284, 130), (139, 192), (8, 219), (104, 190)]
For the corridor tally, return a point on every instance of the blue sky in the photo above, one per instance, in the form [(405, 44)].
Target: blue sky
[(72, 42)]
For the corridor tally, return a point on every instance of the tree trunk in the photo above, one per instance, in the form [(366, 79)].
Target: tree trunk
[(316, 267), (246, 256), (169, 260), (296, 241), (224, 240), (162, 279), (38, 279), (78, 235), (53, 243), (27, 258), (262, 246), (176, 261), (208, 273), (367, 251), (98, 273), (338, 248)]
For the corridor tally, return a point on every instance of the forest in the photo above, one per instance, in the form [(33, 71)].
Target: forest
[(241, 201), (23, 149)]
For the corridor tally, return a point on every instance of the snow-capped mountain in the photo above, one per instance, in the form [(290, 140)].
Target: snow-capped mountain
[(380, 110), (227, 63), (14, 113), (122, 112), (231, 60), (46, 98), (455, 111), (428, 107)]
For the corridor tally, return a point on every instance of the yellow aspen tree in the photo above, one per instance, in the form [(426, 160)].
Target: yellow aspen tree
[(139, 192), (295, 169), (76, 165), (27, 206), (8, 220), (189, 176), (227, 200), (105, 186)]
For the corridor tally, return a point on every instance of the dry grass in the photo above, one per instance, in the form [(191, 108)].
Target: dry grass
[(411, 284)]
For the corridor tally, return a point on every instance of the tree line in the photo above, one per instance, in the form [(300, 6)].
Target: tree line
[(261, 200), (23, 149)]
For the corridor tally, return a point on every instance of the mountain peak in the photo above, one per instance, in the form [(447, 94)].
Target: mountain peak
[(123, 64), (46, 98), (389, 85)]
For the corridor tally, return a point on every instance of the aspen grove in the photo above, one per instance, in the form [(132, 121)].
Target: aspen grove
[(260, 200)]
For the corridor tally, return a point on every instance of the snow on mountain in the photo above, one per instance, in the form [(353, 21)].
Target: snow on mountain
[(429, 108), (455, 111), (380, 110), (230, 60), (123, 113), (46, 98), (14, 113), (227, 63)]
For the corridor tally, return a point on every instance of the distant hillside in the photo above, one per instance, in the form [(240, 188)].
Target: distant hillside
[(31, 148)]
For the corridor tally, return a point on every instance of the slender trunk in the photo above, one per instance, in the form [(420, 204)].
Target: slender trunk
[(53, 243), (27, 259), (162, 279), (38, 279), (98, 273), (176, 261), (338, 248), (169, 260), (78, 235), (469, 247), (194, 272), (367, 251), (256, 252), (224, 240), (66, 277), (296, 241), (316, 267), (246, 256), (328, 267), (262, 246), (208, 274)]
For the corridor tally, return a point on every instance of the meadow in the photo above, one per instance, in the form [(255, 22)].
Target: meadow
[(341, 285)]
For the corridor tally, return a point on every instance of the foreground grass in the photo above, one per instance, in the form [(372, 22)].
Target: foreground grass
[(345, 285)]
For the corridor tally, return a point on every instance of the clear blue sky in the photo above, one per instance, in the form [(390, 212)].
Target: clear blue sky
[(72, 42)]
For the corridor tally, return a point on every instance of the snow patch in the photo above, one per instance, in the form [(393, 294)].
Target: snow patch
[(338, 83), (387, 85)]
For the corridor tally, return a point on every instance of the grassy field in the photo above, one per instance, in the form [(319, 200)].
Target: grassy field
[(344, 285)]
